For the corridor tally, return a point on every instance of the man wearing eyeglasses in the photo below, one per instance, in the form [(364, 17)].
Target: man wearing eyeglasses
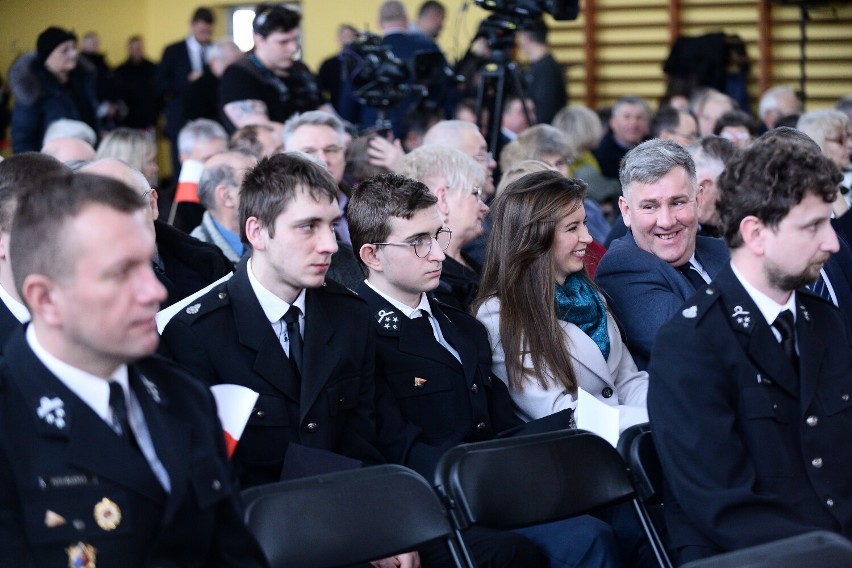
[(434, 387), (279, 328)]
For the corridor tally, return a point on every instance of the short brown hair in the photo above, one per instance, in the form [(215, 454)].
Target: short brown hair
[(271, 185), (375, 200), (38, 243)]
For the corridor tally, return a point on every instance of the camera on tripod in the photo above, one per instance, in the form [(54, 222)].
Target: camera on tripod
[(382, 80)]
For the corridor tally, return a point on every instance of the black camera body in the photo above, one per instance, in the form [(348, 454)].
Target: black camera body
[(531, 9), (382, 80)]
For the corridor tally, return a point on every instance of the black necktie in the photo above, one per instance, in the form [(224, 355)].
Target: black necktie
[(294, 334), (691, 274), (787, 329), (120, 423)]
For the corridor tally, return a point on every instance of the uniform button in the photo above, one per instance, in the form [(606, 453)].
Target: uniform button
[(845, 397), (341, 400), (709, 291), (829, 502), (775, 407), (223, 295), (313, 427), (480, 426), (812, 420), (607, 392), (79, 524), (216, 485), (475, 388), (816, 462), (260, 413)]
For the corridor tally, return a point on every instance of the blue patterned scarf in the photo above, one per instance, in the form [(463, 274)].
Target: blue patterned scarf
[(578, 303)]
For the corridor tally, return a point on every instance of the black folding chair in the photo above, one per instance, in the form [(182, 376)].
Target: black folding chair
[(818, 549), (346, 517), (551, 476), (637, 448)]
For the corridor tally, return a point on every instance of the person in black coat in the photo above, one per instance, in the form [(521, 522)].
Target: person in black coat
[(135, 82), (749, 395), (181, 64), (17, 173), (108, 456), (50, 84)]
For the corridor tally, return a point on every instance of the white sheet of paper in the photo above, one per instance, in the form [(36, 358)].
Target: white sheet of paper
[(595, 416), (166, 314)]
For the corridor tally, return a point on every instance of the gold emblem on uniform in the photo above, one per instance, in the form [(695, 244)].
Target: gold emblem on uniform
[(81, 555), (107, 514), (53, 519), (193, 309), (418, 382)]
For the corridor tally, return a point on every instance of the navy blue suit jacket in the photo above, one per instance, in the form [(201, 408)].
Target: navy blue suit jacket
[(644, 291), (751, 452)]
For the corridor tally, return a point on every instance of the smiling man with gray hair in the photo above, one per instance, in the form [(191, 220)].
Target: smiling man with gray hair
[(649, 272)]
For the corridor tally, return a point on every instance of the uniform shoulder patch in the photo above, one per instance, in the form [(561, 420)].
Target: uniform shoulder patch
[(216, 298), (695, 308)]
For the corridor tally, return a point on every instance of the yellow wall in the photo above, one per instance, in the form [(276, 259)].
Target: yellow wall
[(632, 37), (161, 22)]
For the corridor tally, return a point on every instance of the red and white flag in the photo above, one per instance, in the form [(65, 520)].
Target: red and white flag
[(187, 187), (234, 404)]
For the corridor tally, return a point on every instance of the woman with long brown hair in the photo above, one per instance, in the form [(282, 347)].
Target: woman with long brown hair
[(549, 327)]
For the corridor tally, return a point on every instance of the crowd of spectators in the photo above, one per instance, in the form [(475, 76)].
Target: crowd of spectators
[(390, 287)]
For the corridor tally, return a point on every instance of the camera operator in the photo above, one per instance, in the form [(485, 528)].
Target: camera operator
[(269, 84), (545, 78), (394, 25)]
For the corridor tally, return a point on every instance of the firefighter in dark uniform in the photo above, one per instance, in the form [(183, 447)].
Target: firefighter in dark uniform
[(109, 457)]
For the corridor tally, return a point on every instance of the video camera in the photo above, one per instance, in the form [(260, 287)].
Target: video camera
[(531, 9), (499, 28), (382, 80)]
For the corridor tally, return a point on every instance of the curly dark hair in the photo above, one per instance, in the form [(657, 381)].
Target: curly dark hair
[(771, 177)]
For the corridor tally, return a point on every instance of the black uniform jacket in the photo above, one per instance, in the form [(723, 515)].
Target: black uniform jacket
[(71, 489), (426, 401), (226, 338), (8, 324), (750, 451)]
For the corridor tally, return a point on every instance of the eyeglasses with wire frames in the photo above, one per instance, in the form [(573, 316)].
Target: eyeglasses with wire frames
[(423, 245), (477, 191)]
